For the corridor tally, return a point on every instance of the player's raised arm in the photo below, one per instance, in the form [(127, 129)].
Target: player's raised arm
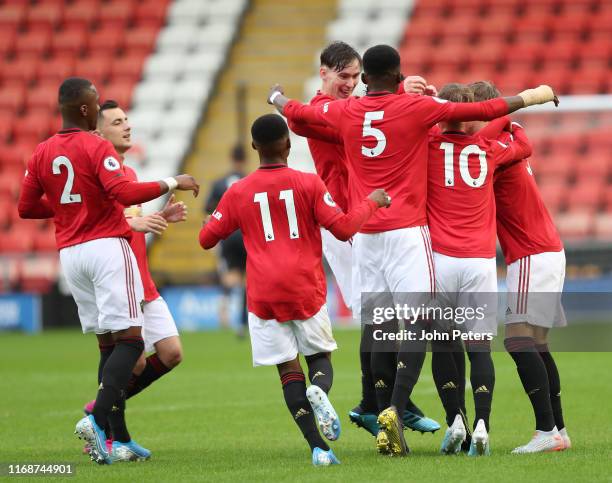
[(438, 110), (315, 131), (328, 114)]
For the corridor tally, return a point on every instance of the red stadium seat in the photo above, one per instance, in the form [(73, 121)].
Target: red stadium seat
[(523, 56), (43, 96), (44, 240), (574, 225), (595, 54), (487, 54), (44, 15), (586, 196), (140, 40), (6, 126), (533, 27), (554, 167), (55, 69), (116, 12), (34, 128), (120, 91), (449, 54), (6, 205), (416, 58), (12, 15), (33, 42), (8, 38), (11, 179), (105, 41), (95, 68), (12, 98), (71, 42), (20, 70), (81, 14), (151, 13), (128, 67), (18, 239)]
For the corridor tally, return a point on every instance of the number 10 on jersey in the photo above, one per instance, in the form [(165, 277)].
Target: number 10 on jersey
[(266, 218)]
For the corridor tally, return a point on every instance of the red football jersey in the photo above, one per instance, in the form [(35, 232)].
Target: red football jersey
[(524, 226), (76, 170), (460, 199), (280, 212), (385, 141), (139, 245)]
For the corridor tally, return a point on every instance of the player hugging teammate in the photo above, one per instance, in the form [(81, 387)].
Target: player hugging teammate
[(385, 136)]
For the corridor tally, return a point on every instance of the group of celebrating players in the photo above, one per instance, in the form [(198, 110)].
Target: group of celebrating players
[(451, 184)]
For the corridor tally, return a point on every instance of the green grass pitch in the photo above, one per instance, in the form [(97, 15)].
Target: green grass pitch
[(215, 418)]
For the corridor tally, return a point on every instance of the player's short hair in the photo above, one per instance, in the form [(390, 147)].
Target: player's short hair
[(484, 90), (268, 129), (455, 92), (381, 60), (106, 105), (338, 55), (71, 90)]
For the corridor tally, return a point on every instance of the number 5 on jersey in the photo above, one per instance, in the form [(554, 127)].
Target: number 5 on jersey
[(368, 130), (266, 218)]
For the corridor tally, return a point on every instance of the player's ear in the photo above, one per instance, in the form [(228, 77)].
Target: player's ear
[(288, 144), (322, 72), (364, 78), (253, 145), (84, 109)]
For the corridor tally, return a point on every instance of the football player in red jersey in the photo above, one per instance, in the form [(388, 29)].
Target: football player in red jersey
[(461, 217), (280, 212), (75, 177), (385, 140), (340, 71), (536, 272), (159, 329)]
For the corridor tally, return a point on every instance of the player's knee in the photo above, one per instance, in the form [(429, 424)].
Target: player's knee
[(171, 356), (519, 330)]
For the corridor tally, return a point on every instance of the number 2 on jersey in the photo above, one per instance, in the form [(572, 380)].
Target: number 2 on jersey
[(266, 218), (67, 196), (368, 130)]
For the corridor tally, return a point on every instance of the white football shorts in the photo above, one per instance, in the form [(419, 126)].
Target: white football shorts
[(274, 342), (469, 287), (105, 282), (339, 258), (158, 323), (393, 267), (535, 285)]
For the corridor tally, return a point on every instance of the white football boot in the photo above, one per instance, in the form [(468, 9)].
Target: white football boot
[(454, 436), (542, 442)]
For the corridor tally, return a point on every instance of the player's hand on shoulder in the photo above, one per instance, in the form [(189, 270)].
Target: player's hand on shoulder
[(187, 183), (273, 89), (414, 84), (174, 211), (381, 197), (149, 224)]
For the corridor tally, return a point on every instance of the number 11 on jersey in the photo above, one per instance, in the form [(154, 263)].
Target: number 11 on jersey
[(266, 218)]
